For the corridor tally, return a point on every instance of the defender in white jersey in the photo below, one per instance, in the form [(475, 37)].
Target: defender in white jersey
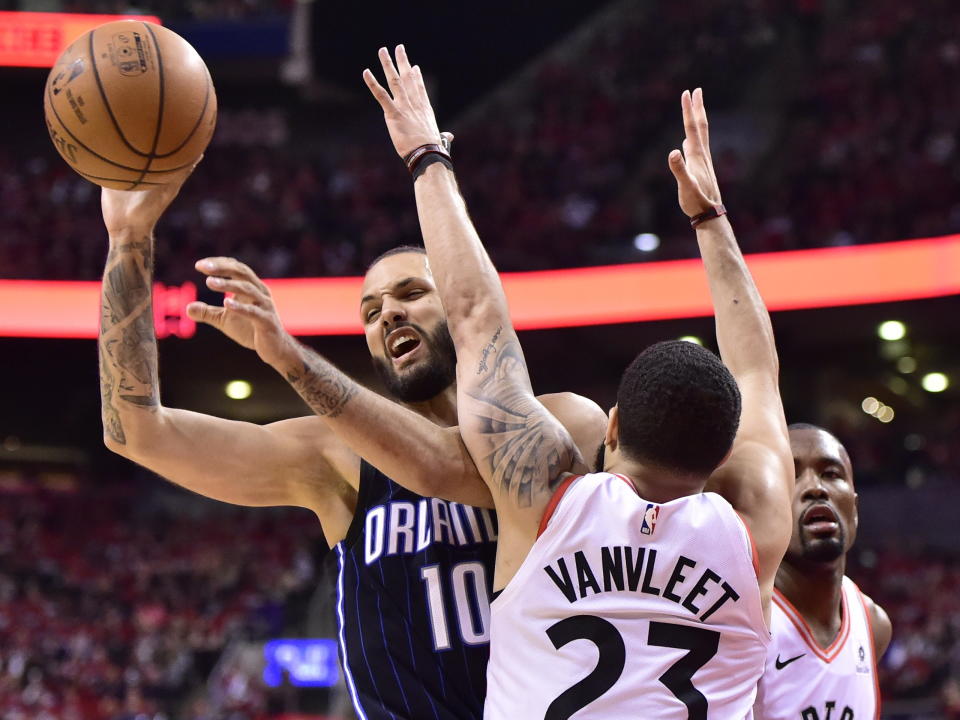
[(669, 611), (678, 417), (827, 635)]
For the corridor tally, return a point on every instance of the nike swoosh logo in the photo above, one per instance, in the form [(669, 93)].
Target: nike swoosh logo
[(782, 665)]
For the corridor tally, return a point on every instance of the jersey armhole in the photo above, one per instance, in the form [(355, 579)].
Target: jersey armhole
[(754, 555), (554, 501), (368, 474), (873, 650)]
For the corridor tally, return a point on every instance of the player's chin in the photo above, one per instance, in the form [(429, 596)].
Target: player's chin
[(823, 549)]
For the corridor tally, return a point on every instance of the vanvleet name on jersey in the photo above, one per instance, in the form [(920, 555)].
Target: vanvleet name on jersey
[(698, 589)]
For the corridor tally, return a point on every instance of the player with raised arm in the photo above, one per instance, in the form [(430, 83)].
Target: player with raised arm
[(414, 571), (827, 635), (659, 577)]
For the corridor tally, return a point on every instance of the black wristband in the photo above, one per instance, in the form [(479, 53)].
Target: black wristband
[(430, 159), (714, 212)]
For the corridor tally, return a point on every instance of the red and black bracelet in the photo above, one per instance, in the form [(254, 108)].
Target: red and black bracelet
[(714, 212), (422, 157)]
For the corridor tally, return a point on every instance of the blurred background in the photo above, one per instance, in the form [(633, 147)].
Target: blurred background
[(833, 123)]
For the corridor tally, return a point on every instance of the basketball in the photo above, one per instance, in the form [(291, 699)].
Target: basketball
[(130, 103)]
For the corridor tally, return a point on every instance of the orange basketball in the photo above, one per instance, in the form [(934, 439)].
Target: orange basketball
[(129, 104)]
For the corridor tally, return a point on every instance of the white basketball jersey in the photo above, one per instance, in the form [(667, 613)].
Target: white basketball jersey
[(803, 681), (629, 609)]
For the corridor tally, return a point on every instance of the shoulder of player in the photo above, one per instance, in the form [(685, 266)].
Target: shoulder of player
[(582, 417), (880, 624)]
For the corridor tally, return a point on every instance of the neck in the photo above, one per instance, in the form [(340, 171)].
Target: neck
[(815, 590), (656, 484), (440, 409)]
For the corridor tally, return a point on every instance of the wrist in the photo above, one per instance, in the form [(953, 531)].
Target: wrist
[(290, 355), (129, 233), (711, 213)]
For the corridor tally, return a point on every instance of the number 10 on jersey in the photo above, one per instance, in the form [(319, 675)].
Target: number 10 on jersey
[(468, 580)]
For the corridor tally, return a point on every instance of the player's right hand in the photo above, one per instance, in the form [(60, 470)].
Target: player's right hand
[(406, 108), (139, 210), (248, 315)]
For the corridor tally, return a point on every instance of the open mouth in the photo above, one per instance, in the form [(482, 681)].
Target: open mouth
[(402, 342), (820, 519)]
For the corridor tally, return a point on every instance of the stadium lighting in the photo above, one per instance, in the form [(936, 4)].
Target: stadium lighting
[(892, 330), (906, 364), (646, 242), (885, 414), (870, 405), (935, 382), (238, 390), (691, 339)]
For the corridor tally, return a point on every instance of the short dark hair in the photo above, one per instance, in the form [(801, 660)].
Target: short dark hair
[(808, 426), (419, 249), (679, 408)]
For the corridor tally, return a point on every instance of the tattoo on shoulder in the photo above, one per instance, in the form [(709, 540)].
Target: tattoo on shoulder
[(326, 390), (527, 448)]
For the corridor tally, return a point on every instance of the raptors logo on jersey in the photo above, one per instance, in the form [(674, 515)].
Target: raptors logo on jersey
[(804, 681), (626, 608)]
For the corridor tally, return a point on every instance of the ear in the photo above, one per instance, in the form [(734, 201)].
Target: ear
[(612, 437)]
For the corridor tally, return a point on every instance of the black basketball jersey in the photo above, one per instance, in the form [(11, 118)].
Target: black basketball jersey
[(414, 576)]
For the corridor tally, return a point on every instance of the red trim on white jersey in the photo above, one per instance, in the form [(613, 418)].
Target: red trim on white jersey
[(755, 556), (873, 649), (628, 481), (829, 653), (554, 501)]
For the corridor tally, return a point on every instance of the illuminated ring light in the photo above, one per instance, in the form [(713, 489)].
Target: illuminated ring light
[(795, 280)]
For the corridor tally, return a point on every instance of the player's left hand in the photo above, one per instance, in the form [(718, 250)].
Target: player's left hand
[(248, 315), (139, 210), (697, 186), (406, 108)]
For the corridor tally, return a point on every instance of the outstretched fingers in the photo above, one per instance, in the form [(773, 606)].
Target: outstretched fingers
[(378, 91), (231, 268), (391, 74)]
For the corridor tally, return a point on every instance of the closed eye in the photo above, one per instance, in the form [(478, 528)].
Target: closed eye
[(372, 314)]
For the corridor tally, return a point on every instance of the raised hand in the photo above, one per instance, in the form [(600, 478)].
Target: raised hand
[(140, 209), (249, 316), (697, 187), (406, 108)]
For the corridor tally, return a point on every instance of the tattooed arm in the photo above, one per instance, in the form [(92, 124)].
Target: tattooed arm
[(520, 449), (294, 462)]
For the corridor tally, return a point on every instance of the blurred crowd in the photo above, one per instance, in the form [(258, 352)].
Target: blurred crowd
[(921, 593), (835, 123), (110, 613)]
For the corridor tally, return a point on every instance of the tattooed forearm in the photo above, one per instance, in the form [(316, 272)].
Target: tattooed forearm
[(128, 346), (525, 448), (324, 388)]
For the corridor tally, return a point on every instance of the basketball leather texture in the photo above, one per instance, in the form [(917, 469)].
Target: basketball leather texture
[(129, 104)]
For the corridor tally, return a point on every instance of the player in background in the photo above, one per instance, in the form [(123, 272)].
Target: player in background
[(414, 572), (827, 635), (675, 608)]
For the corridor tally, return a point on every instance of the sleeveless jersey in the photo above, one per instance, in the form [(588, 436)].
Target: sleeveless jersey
[(413, 603), (803, 681), (629, 609)]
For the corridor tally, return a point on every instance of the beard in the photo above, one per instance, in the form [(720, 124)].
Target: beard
[(428, 378), (822, 550)]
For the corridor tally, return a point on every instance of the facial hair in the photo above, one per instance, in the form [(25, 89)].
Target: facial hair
[(822, 550), (428, 378)]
